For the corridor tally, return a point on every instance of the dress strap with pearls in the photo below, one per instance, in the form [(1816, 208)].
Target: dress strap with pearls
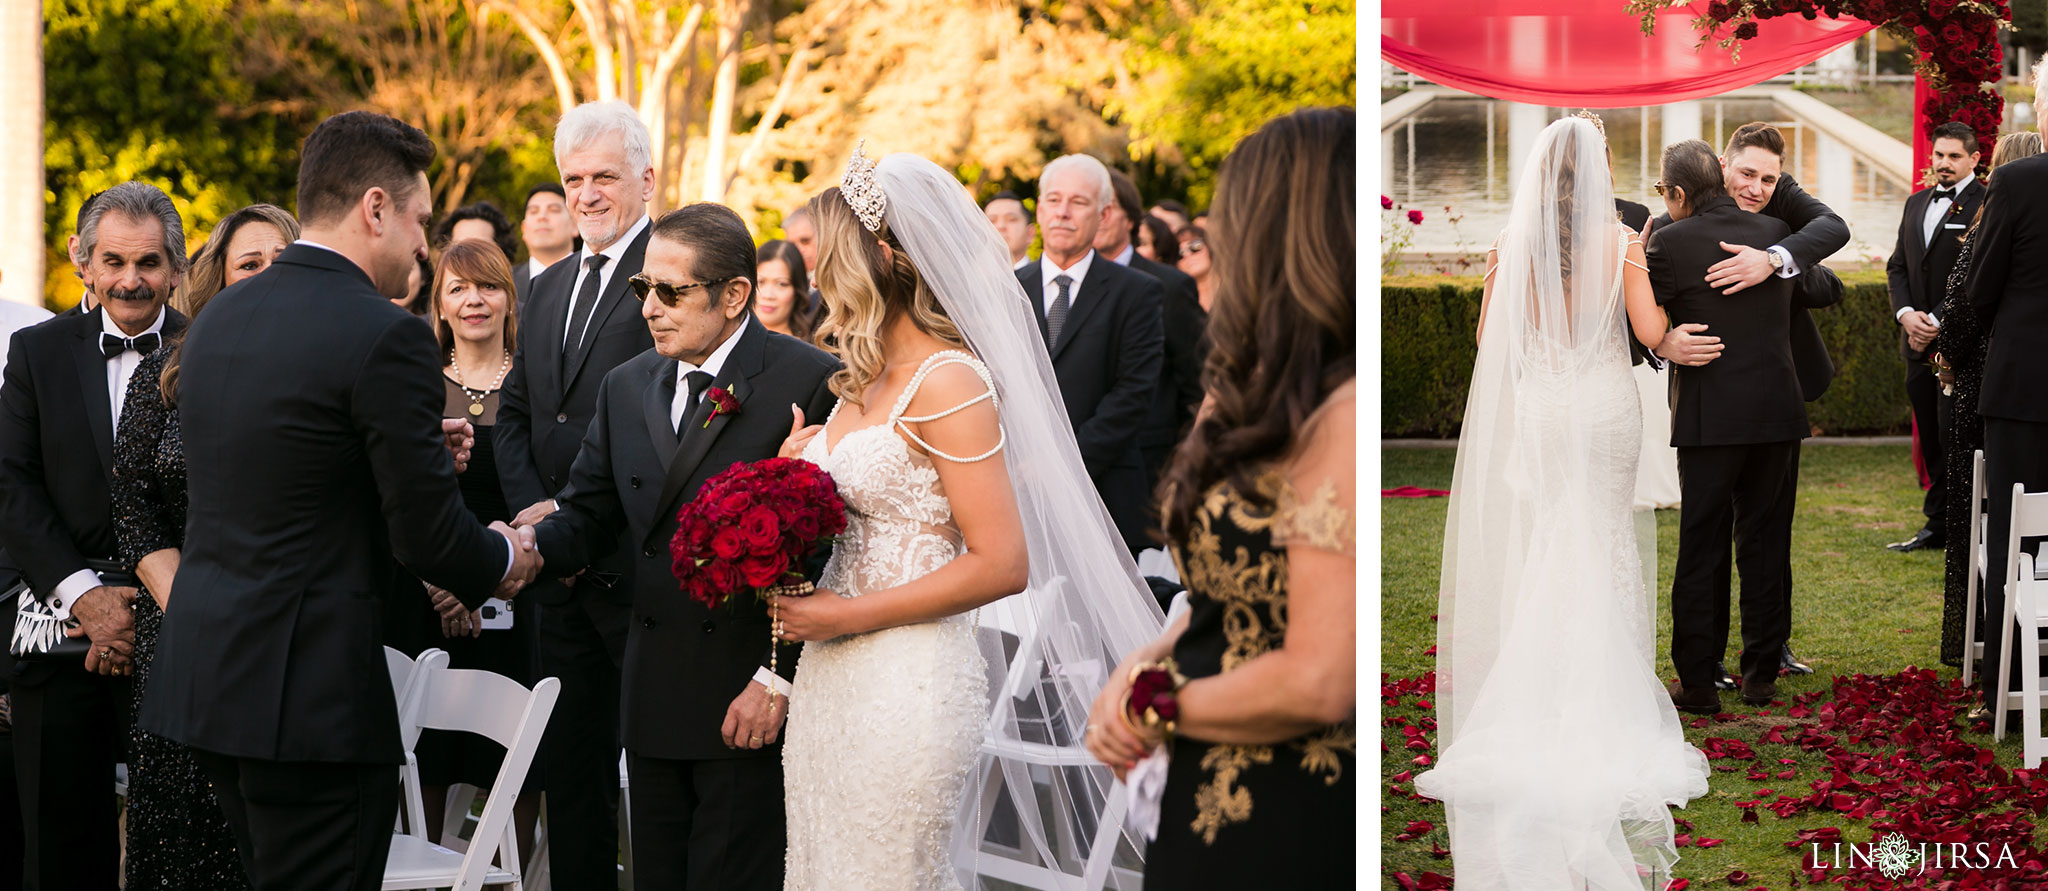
[(938, 360)]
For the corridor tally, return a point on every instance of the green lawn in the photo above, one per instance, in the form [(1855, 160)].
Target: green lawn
[(1857, 608)]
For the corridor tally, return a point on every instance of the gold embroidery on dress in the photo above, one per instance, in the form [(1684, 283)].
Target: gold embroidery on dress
[(1321, 751), (1216, 803), (1318, 522)]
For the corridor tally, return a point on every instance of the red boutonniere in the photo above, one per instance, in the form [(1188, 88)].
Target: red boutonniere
[(722, 403)]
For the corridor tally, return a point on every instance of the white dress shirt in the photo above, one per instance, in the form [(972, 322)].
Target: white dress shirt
[(604, 275), (1047, 272), (1937, 208), (681, 405), (1124, 259), (1020, 264), (119, 370), (534, 268)]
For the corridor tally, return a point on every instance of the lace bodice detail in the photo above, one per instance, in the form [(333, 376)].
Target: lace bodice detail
[(899, 523)]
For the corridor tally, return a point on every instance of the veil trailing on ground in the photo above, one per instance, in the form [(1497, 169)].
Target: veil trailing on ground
[(1560, 749), (1035, 796)]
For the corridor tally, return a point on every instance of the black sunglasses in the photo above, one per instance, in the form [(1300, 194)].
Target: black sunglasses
[(670, 294)]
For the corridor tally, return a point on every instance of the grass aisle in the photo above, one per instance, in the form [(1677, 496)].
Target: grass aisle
[(1858, 609)]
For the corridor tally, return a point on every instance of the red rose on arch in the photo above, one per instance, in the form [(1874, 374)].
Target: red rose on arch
[(1745, 31)]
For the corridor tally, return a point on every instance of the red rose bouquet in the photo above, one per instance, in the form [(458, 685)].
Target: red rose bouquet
[(751, 528)]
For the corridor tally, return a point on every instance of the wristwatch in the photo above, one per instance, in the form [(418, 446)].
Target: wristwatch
[(1777, 259)]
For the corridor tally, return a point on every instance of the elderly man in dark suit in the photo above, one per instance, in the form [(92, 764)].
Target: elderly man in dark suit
[(319, 485), (1102, 326), (1930, 236), (59, 408), (2008, 288), (701, 728)]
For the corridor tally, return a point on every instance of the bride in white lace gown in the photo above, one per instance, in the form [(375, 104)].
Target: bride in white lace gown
[(963, 485)]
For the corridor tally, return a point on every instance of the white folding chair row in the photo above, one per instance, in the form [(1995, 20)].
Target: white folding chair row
[(509, 714), (407, 677), (1973, 649), (2026, 599)]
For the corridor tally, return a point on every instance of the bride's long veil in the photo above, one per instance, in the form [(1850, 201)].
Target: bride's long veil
[(1035, 796), (1559, 748)]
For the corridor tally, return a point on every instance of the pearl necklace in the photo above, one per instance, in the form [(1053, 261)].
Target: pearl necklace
[(476, 397)]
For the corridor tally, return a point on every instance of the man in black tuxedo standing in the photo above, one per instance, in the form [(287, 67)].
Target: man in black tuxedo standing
[(1736, 423), (701, 728), (580, 323), (549, 234), (1930, 236), (320, 486), (1101, 324), (2008, 287), (59, 408), (1182, 320)]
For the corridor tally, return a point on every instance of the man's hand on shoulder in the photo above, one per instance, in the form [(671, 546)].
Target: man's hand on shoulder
[(1750, 266)]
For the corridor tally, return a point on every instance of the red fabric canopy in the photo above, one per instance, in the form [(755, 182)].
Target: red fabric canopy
[(1589, 53)]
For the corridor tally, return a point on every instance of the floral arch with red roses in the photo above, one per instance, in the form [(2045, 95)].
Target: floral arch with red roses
[(1957, 56)]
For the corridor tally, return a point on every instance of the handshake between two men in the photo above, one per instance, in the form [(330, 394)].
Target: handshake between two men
[(456, 619)]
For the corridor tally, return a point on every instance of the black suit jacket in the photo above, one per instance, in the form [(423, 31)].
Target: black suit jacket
[(1750, 393), (311, 410), (684, 663), (2008, 287), (522, 287), (1632, 215), (550, 394), (1108, 367), (1180, 375), (57, 452), (1918, 271)]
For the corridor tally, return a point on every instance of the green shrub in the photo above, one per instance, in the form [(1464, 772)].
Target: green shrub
[(1427, 353)]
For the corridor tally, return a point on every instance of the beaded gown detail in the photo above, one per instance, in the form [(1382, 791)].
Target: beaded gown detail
[(884, 727), (1961, 342), (177, 835)]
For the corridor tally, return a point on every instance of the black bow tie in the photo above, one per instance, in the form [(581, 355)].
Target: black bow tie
[(114, 344), (1948, 194)]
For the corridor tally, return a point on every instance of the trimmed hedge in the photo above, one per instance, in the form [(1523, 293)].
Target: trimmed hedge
[(1428, 350)]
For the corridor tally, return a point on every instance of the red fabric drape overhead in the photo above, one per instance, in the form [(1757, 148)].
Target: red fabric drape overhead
[(1589, 53)]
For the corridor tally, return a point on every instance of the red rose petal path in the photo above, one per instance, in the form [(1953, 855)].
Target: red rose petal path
[(1876, 755)]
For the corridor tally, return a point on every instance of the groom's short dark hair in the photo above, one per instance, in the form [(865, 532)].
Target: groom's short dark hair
[(1758, 134), (353, 152), (718, 238), (1690, 165)]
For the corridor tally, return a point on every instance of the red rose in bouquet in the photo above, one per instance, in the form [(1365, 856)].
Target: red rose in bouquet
[(752, 527)]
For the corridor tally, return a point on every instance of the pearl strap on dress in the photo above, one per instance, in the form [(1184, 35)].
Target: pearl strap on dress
[(936, 360)]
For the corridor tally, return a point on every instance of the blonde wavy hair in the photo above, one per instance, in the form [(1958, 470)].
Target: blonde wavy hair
[(863, 289)]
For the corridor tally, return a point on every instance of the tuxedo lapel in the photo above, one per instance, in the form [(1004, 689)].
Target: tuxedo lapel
[(655, 400), (1916, 218), (607, 303), (1096, 287), (701, 427), (92, 384)]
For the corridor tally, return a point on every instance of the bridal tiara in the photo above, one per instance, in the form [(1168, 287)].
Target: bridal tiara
[(861, 191), (1590, 116)]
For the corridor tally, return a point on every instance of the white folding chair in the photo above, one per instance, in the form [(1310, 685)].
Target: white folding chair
[(2026, 596), (407, 674), (1973, 649), (493, 706)]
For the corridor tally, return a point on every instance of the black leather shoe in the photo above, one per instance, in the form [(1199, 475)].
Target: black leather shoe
[(1723, 680), (1925, 538), (1790, 664), (1698, 701), (1760, 693)]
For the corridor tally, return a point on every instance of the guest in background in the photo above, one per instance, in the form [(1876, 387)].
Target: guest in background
[(781, 290), (1179, 391), (1267, 715), (1930, 237), (1006, 212), (1959, 347), (1156, 241), (1194, 260), (549, 233), (798, 230), (1101, 324), (177, 835), (1173, 212), (59, 408), (476, 326), (482, 220), (419, 289), (241, 246)]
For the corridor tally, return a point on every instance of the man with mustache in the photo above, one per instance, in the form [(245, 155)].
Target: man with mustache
[(579, 323), (59, 407)]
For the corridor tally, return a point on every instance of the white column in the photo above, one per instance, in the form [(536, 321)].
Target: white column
[(21, 151), (1525, 123), (1681, 121), (1839, 66)]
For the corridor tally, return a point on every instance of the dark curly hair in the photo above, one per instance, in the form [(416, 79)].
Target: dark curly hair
[(502, 233), (1283, 327)]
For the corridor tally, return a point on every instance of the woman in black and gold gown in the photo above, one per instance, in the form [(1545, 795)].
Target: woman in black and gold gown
[(177, 835), (1260, 718), (1960, 346)]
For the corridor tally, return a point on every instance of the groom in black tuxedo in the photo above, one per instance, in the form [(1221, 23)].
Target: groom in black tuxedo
[(1930, 237), (316, 467), (701, 729), (1736, 423)]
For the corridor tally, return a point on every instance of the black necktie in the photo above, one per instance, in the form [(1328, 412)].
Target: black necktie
[(586, 301), (699, 381), (1056, 314), (114, 344)]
